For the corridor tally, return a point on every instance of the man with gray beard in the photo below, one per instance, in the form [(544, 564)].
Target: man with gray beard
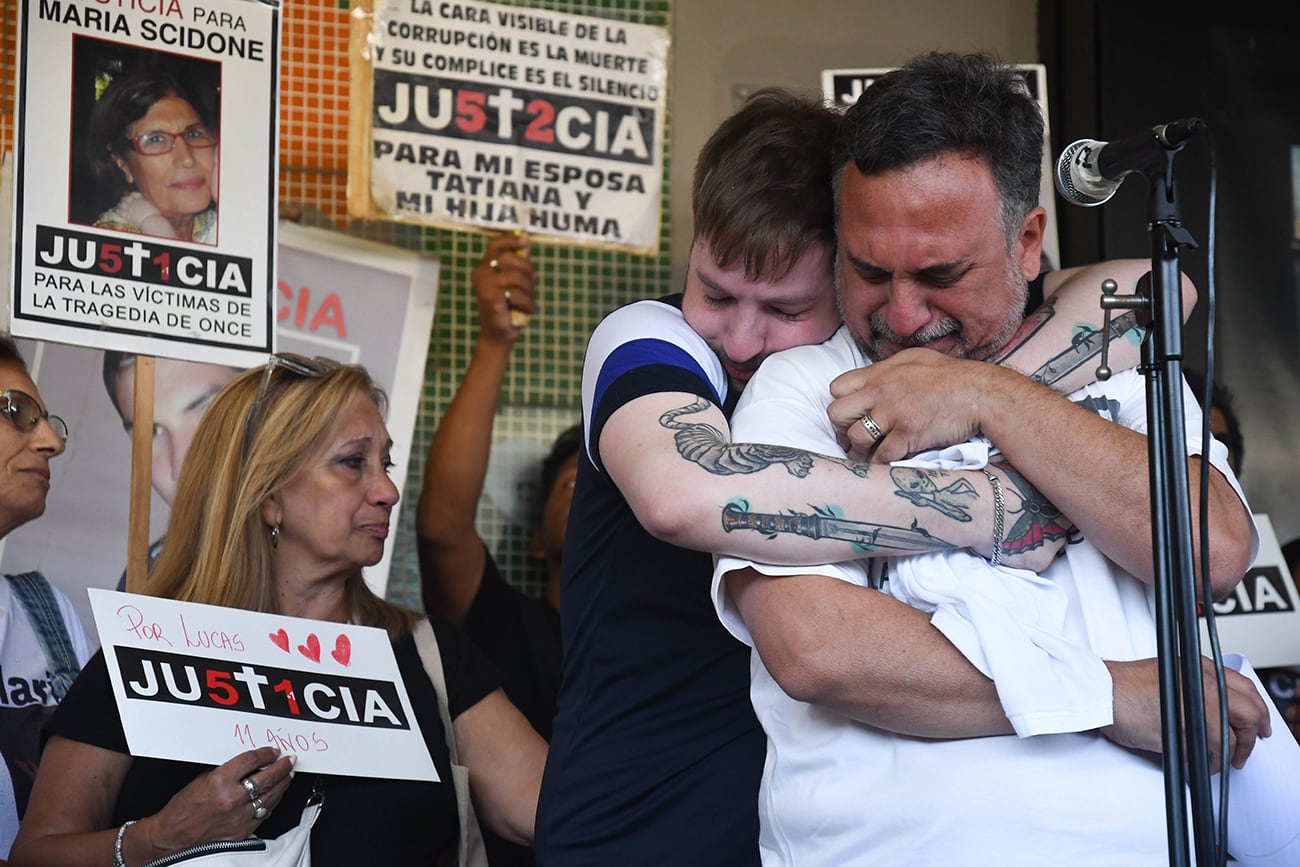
[(873, 755)]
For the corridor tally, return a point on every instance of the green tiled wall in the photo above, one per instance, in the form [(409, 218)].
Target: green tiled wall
[(576, 287)]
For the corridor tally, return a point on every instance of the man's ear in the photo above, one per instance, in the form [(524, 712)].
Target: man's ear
[(1028, 248)]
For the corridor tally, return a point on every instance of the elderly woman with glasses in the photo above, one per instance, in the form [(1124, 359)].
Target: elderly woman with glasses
[(283, 498), (42, 642), (153, 149)]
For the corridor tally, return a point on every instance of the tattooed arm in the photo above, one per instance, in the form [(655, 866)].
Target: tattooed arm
[(1059, 344), (1092, 468), (672, 457)]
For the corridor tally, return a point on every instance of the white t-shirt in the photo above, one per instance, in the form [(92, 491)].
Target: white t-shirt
[(837, 792), (26, 699)]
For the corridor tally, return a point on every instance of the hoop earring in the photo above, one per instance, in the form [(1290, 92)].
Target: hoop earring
[(275, 536)]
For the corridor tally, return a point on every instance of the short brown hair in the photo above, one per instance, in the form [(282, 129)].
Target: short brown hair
[(762, 188)]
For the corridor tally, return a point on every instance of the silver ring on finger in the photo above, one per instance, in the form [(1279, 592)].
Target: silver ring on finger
[(251, 788), (259, 809), (869, 424), (495, 266), (508, 307)]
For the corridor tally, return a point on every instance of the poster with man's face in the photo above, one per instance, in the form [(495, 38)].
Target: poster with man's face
[(336, 296)]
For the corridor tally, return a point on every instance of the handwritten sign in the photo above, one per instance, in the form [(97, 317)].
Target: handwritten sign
[(127, 249), (201, 683), (485, 115)]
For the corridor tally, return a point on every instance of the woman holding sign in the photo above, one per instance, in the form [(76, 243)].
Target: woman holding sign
[(283, 499)]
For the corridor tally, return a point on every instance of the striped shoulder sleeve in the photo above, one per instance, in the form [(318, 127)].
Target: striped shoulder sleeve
[(641, 349)]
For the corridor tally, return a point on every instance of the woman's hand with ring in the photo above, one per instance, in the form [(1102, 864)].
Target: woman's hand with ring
[(251, 788), (226, 803)]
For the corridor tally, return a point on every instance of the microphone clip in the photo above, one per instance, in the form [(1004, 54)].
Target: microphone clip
[(1139, 301)]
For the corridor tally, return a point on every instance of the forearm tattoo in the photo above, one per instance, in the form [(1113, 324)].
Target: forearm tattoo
[(828, 523), (1085, 344), (1039, 521), (920, 487), (705, 445), (1084, 347)]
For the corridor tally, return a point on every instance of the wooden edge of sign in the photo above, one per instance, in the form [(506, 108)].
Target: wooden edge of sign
[(360, 109), (137, 534)]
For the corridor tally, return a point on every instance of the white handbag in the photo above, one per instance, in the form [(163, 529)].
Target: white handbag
[(291, 849)]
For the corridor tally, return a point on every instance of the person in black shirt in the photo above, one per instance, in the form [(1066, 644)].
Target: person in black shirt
[(283, 500), (460, 580)]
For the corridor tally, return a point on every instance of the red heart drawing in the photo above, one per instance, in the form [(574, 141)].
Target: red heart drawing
[(311, 649), (280, 639), (342, 650)]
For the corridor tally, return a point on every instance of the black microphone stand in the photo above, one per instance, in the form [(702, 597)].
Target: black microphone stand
[(1177, 624)]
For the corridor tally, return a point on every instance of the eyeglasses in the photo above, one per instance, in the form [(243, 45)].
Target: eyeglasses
[(299, 365), (22, 411), (157, 142)]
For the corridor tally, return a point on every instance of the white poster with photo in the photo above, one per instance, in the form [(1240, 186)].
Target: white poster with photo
[(119, 241), (495, 117), (336, 296), (842, 87), (203, 683)]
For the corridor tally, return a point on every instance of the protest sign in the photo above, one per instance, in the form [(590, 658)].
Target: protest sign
[(337, 296), (1261, 617), (483, 115), (203, 683), (118, 239)]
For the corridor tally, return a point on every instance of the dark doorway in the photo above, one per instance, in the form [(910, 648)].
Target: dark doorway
[(1116, 67)]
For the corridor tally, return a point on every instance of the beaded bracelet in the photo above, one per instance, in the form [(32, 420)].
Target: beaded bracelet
[(999, 517), (118, 861)]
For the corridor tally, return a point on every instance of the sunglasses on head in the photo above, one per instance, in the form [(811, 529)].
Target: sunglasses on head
[(298, 365)]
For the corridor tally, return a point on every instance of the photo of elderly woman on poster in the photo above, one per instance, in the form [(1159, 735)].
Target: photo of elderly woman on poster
[(149, 142)]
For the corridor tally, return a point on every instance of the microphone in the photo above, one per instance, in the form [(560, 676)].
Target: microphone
[(1089, 172)]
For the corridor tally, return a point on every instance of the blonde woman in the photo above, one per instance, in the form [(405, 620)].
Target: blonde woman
[(284, 498)]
